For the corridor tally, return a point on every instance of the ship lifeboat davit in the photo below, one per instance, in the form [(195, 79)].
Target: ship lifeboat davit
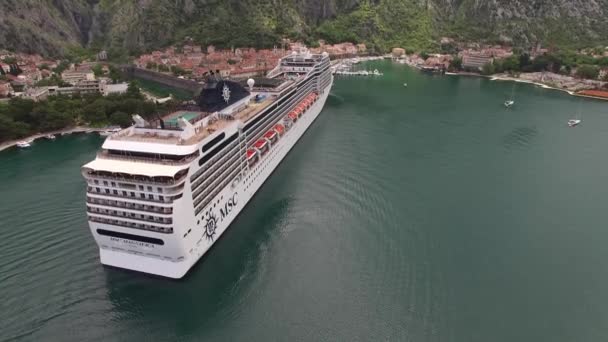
[(251, 153), (300, 109), (260, 144), (270, 134), (279, 129), (252, 156)]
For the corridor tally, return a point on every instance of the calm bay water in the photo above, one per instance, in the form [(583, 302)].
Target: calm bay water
[(426, 213)]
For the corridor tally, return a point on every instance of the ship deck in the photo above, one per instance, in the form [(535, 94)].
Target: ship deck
[(244, 115), (173, 134)]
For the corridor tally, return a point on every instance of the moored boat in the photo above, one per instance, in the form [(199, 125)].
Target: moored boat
[(573, 122)]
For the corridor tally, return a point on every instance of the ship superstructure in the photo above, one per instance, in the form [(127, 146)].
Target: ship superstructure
[(160, 193)]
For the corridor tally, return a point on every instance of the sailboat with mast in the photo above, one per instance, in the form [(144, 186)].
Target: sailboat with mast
[(510, 102)]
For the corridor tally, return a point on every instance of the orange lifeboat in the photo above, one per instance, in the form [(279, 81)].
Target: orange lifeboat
[(270, 135), (251, 153), (260, 144), (279, 129)]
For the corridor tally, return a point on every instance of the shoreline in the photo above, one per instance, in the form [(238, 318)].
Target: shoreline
[(542, 85), (78, 129), (502, 77), (519, 80)]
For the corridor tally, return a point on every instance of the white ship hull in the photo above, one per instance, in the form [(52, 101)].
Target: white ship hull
[(199, 233)]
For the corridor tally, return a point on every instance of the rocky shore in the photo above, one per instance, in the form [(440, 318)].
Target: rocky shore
[(78, 129)]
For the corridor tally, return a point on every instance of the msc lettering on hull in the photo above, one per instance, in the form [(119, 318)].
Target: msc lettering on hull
[(211, 219)]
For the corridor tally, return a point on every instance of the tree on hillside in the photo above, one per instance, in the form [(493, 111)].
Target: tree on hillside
[(133, 90), (115, 75), (120, 118), (488, 69), (511, 64), (63, 65), (9, 60), (97, 70), (456, 63), (588, 71)]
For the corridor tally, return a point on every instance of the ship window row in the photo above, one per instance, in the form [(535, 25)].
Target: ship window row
[(215, 185), (216, 157), (142, 226), (209, 168), (133, 195), (156, 158), (255, 172), (129, 215), (220, 170), (270, 110), (128, 186), (214, 154), (226, 171), (217, 191), (216, 150), (131, 206), (139, 238), (121, 178), (233, 155), (272, 120), (281, 110), (287, 101), (259, 131), (112, 187)]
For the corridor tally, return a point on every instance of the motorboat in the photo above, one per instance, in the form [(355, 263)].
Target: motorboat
[(573, 122), (509, 103), (24, 144), (50, 136), (405, 84)]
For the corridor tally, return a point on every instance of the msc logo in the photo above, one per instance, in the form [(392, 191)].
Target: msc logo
[(210, 225), (212, 220)]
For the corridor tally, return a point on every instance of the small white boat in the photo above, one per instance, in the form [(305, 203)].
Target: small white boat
[(573, 122), (405, 84), (510, 102), (23, 144), (105, 133), (50, 136)]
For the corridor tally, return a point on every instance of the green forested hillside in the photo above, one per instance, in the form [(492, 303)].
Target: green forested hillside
[(52, 27)]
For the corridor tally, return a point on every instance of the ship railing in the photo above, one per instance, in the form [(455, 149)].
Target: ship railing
[(166, 200), (137, 180), (130, 206), (155, 219), (133, 225), (183, 161)]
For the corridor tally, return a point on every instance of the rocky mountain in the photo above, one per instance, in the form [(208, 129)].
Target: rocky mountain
[(52, 27)]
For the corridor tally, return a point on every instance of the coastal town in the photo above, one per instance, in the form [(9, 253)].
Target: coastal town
[(35, 77)]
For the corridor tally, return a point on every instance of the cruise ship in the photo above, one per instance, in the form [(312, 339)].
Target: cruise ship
[(161, 192)]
